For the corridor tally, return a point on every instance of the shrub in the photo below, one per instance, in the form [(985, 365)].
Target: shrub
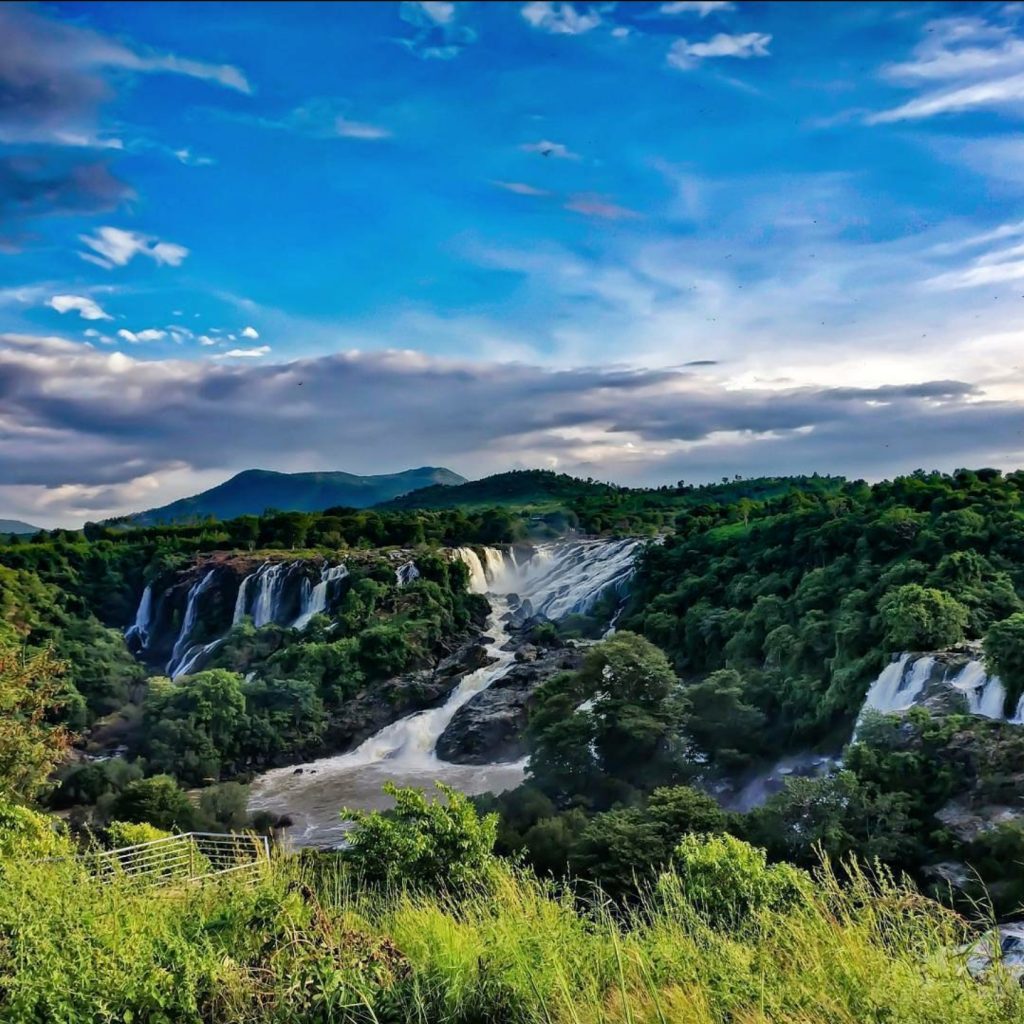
[(423, 842)]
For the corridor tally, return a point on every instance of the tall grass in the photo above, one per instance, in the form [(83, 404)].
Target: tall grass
[(304, 943)]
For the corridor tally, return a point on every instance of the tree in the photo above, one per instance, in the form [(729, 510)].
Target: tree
[(157, 801), (423, 842), (920, 618), (1004, 653), (31, 746), (721, 722)]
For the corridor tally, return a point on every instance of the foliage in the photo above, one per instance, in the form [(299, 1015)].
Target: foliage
[(303, 943), (155, 801), (613, 724), (30, 745), (131, 833), (729, 880), (423, 842), (920, 618)]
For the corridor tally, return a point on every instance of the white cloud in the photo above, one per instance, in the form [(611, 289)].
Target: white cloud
[(149, 334), (116, 247), (205, 339), (190, 159), (250, 332), (244, 353), (593, 205), (348, 129), (997, 92), (684, 54), (436, 35), (699, 7), (560, 18), (87, 309), (969, 62), (548, 148)]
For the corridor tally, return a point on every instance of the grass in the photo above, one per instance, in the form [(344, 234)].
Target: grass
[(306, 944)]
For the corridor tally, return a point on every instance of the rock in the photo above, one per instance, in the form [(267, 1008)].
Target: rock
[(298, 771), (489, 727), (527, 653)]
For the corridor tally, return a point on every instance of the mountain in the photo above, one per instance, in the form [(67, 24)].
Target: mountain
[(17, 526), (518, 487), (254, 490)]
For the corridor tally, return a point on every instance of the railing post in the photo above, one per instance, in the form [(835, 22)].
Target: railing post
[(191, 856)]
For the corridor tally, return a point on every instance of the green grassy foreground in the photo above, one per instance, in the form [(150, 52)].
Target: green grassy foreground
[(305, 944)]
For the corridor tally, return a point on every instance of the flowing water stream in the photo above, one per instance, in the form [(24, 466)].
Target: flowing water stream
[(553, 580)]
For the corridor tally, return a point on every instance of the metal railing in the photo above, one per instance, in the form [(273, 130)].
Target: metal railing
[(186, 857)]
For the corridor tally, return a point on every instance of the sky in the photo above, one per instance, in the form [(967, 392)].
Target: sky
[(637, 241)]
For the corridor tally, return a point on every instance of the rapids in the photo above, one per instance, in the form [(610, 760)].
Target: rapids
[(553, 580)]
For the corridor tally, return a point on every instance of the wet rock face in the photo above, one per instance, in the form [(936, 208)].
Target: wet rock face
[(490, 727)]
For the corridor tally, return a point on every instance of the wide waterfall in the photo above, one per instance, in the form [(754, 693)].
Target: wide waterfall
[(556, 579), (913, 677)]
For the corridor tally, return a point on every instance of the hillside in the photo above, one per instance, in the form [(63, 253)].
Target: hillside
[(522, 487), (254, 490), (17, 526)]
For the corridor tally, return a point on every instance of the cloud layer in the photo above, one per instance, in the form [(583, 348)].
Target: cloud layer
[(87, 433)]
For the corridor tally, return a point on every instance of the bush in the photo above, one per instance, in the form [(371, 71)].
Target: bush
[(423, 842), (728, 880), (157, 801)]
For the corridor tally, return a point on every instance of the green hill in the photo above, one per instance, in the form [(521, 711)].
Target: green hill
[(521, 487), (254, 490), (17, 526)]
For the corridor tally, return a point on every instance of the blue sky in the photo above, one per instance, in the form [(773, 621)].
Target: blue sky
[(640, 241)]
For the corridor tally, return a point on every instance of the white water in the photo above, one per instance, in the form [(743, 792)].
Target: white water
[(556, 579), (140, 628), (269, 578), (902, 682), (314, 599), (182, 649)]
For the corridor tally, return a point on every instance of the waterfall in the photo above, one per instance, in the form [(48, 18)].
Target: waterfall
[(902, 682), (557, 579), (269, 578), (193, 656), (139, 630), (560, 578), (314, 599), (242, 601), (477, 576), (406, 573), (181, 645), (985, 694)]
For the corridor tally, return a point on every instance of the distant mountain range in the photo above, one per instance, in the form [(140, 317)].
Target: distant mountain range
[(255, 490), (17, 526)]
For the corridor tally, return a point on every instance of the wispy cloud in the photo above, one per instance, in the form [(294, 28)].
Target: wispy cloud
[(685, 55), (964, 63), (590, 204), (321, 118), (520, 188), (115, 247), (86, 308), (560, 18), (701, 8)]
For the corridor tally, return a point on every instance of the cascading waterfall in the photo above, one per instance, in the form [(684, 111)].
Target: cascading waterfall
[(406, 573), (139, 630), (182, 651), (557, 579), (903, 682), (269, 578), (242, 600), (314, 599)]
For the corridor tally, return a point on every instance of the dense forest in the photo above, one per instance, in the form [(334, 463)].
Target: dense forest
[(759, 614)]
